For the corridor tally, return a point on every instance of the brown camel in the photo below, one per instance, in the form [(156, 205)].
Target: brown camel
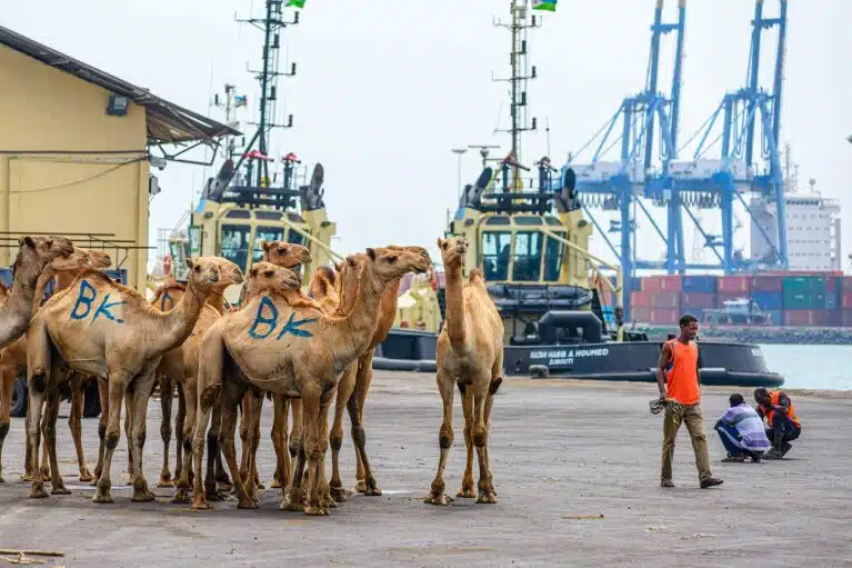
[(33, 256), (302, 357), (470, 356), (13, 359), (121, 341)]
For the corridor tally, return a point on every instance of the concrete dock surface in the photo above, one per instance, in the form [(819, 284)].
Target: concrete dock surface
[(559, 449)]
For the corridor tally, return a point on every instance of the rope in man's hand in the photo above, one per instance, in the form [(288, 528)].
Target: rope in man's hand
[(658, 404)]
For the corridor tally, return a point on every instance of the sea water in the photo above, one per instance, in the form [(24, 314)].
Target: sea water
[(811, 366)]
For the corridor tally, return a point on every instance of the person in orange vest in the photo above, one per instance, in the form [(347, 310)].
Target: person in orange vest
[(780, 414), (677, 378)]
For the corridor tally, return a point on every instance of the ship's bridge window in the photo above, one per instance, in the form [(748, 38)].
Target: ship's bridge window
[(527, 258), (267, 234), (496, 248), (553, 258), (498, 221), (235, 244), (527, 220), (295, 238), (238, 214), (268, 215), (553, 221)]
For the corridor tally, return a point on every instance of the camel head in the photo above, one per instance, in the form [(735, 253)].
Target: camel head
[(453, 251), (267, 277), (392, 262), (99, 259), (77, 261), (229, 273), (206, 273), (36, 253), (286, 255)]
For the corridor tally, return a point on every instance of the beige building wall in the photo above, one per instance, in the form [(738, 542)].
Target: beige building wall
[(68, 167)]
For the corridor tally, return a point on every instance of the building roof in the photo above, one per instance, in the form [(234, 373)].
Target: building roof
[(166, 122)]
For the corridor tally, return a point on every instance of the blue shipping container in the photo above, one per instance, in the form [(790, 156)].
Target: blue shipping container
[(832, 301), (701, 284), (777, 317), (768, 300), (636, 284)]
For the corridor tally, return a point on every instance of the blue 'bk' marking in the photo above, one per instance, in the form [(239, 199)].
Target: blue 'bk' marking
[(86, 297), (266, 320)]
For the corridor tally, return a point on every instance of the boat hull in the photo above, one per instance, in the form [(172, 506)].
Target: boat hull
[(728, 364)]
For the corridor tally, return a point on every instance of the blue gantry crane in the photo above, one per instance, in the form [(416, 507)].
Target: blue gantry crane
[(730, 168), (641, 176)]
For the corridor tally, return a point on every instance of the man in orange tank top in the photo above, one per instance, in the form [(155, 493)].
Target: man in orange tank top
[(677, 377)]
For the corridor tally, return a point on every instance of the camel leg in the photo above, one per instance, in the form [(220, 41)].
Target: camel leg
[(38, 377), (445, 440), (223, 482), (280, 407), (78, 394), (489, 403), (138, 430), (212, 451), (51, 415), (467, 405), (313, 407), (229, 401), (185, 480), (298, 428), (325, 491), (245, 427), (7, 386), (103, 392), (28, 462), (180, 422), (366, 482), (118, 378), (294, 501), (209, 396), (254, 432), (345, 389), (45, 455), (480, 440), (128, 424), (167, 388)]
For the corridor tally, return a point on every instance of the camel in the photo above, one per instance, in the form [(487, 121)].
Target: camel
[(470, 356), (300, 353), (13, 359), (33, 255), (121, 341)]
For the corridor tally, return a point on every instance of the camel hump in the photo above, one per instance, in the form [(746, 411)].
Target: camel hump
[(475, 276)]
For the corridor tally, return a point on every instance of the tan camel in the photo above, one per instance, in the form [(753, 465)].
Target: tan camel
[(13, 359), (300, 353), (121, 341), (33, 256), (470, 356)]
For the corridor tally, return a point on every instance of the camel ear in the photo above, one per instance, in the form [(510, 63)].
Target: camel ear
[(265, 246), (338, 266), (27, 241), (350, 261), (440, 243), (189, 263), (371, 253)]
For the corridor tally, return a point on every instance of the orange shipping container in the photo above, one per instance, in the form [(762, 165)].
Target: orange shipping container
[(640, 300), (651, 284), (669, 300), (741, 284), (662, 316)]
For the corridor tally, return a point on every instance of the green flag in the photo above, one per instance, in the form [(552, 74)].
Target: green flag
[(548, 5), (296, 3)]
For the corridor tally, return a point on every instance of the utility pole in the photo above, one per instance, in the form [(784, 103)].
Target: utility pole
[(459, 152), (522, 72), (271, 26)]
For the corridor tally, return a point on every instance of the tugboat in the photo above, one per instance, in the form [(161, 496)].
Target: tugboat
[(533, 249)]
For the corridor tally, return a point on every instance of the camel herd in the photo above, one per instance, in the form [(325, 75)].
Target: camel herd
[(303, 352)]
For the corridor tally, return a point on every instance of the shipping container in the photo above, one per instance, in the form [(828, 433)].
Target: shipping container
[(776, 317), (846, 318), (831, 318), (640, 300), (847, 284), (640, 315), (847, 300), (635, 283), (804, 300), (799, 318), (668, 300), (663, 316), (671, 283), (833, 285), (800, 284), (832, 300), (650, 284), (699, 284), (767, 284), (768, 301), (739, 284), (697, 300)]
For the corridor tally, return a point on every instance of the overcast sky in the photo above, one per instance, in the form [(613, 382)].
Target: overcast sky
[(386, 88)]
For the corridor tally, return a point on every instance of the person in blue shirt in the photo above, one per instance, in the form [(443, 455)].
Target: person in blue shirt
[(741, 431)]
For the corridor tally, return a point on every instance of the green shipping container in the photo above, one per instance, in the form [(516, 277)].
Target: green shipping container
[(803, 284), (807, 300)]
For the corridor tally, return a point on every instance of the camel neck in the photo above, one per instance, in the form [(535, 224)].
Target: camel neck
[(178, 323), (455, 305), (357, 327), (216, 300)]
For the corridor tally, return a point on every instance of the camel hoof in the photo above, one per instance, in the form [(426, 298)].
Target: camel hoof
[(361, 486), (94, 482), (214, 495), (38, 493), (466, 493), (26, 477), (142, 497), (341, 494), (61, 490), (487, 498), (248, 504), (260, 485), (313, 511), (180, 498), (103, 498), (292, 506), (86, 476), (201, 506), (440, 500), (165, 480), (275, 484), (372, 491)]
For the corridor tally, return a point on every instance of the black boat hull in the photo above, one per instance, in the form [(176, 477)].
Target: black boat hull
[(728, 364)]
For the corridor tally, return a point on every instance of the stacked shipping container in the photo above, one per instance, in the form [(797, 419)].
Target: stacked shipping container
[(791, 299)]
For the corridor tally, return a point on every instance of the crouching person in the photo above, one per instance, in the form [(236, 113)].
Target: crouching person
[(741, 431)]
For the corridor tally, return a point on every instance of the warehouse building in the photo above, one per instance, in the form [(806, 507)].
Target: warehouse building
[(74, 152)]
